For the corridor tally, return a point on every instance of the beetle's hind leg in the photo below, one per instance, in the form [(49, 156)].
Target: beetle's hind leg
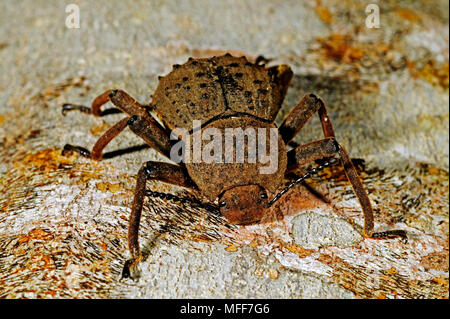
[(165, 172)]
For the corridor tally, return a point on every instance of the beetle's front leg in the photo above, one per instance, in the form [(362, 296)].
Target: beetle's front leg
[(294, 122), (165, 172), (329, 147)]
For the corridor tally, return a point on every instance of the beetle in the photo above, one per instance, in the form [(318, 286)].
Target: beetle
[(223, 92)]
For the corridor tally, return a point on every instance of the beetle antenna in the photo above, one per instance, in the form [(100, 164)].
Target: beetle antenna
[(308, 174), (176, 198)]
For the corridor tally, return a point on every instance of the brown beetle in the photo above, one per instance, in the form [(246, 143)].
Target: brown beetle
[(224, 92)]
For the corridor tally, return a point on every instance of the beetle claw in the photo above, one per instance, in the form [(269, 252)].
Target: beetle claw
[(391, 234), (81, 150), (130, 269), (70, 107)]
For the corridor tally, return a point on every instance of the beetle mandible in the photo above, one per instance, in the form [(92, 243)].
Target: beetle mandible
[(224, 91)]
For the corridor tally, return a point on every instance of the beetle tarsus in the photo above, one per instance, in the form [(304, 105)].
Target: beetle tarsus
[(130, 269), (81, 150), (70, 107), (399, 233)]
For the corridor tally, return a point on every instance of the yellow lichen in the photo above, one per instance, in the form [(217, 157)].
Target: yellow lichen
[(408, 15), (253, 243), (231, 248), (113, 188), (273, 273), (299, 250), (259, 271), (434, 73), (323, 13), (96, 130), (102, 187)]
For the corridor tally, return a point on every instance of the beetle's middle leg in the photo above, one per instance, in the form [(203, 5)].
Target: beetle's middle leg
[(294, 122)]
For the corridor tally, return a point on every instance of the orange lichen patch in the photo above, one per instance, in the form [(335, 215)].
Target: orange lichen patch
[(437, 261), (337, 50), (434, 73), (342, 48), (51, 92), (41, 261), (19, 139), (16, 100), (2, 118), (103, 246), (381, 283), (102, 187), (99, 129), (201, 238), (370, 87), (186, 22), (51, 293), (273, 273), (259, 272), (392, 271), (113, 188), (440, 280), (437, 171), (35, 234), (329, 259), (55, 90), (45, 160), (85, 176), (323, 13), (231, 248), (408, 15), (299, 250), (253, 243), (380, 295)]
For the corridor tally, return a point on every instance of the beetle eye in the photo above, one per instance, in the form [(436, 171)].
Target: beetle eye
[(264, 196), (222, 203)]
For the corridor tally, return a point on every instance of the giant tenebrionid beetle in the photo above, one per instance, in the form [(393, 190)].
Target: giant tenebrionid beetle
[(222, 92)]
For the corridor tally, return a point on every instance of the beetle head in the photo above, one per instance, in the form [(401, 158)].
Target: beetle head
[(244, 204)]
